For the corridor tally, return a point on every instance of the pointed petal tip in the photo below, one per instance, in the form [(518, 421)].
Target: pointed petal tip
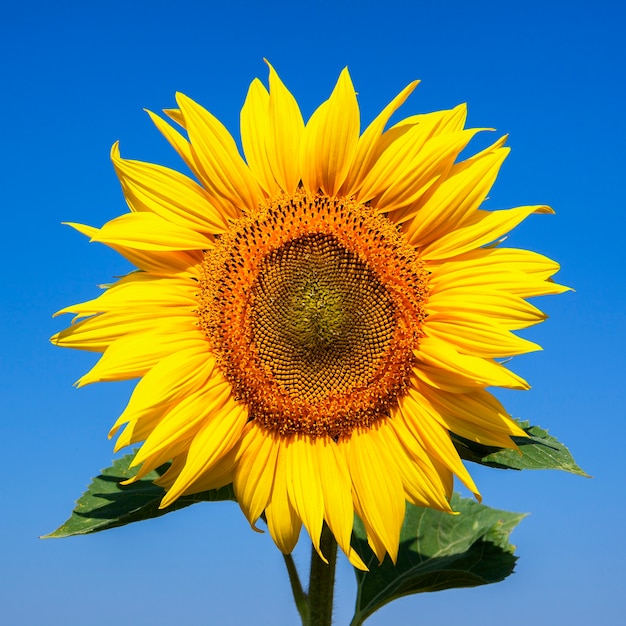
[(393, 556), (115, 150), (118, 444), (165, 502), (136, 461), (319, 553), (81, 382), (504, 138), (544, 209), (273, 74), (181, 98), (255, 528), (345, 76), (357, 562), (408, 90), (83, 229)]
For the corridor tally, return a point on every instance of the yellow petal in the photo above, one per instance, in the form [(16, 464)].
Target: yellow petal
[(478, 262), (138, 430), (412, 156), (184, 420), (443, 367), (475, 415), (96, 333), (434, 438), (83, 229), (429, 124), (147, 231), (330, 139), (518, 272), (254, 474), (337, 489), (432, 476), (458, 196), (285, 136), (366, 150), (282, 520), (176, 376), (167, 193), (303, 486), (421, 481), (399, 146), (478, 337), (167, 479), (508, 310), (140, 290), (133, 354), (452, 121), (482, 228), (497, 277), (220, 475), (176, 116), (187, 153), (175, 262), (413, 178), (159, 458), (178, 142), (212, 443), (143, 471), (377, 485), (221, 168), (255, 130)]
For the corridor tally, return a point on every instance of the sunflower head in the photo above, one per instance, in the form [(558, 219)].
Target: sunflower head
[(310, 321), (313, 331)]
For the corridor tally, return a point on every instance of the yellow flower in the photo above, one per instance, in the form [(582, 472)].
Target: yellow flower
[(312, 322)]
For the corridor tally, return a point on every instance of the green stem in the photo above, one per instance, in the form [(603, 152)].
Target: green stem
[(322, 581), (299, 596)]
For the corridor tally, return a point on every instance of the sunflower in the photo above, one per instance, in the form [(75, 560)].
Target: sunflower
[(311, 323)]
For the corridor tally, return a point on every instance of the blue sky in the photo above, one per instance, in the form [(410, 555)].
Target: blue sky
[(76, 77)]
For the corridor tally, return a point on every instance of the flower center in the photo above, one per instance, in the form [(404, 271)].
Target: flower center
[(314, 306), (321, 319)]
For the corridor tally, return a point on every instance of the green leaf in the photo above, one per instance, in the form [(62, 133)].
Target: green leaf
[(539, 450), (107, 503), (437, 551)]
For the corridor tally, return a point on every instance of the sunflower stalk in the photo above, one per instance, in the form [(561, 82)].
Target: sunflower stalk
[(322, 582)]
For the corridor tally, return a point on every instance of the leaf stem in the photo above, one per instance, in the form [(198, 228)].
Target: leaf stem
[(300, 598)]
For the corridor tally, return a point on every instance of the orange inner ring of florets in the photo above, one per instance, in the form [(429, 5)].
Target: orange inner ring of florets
[(314, 306)]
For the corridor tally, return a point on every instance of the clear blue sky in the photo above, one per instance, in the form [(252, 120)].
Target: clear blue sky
[(75, 77)]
